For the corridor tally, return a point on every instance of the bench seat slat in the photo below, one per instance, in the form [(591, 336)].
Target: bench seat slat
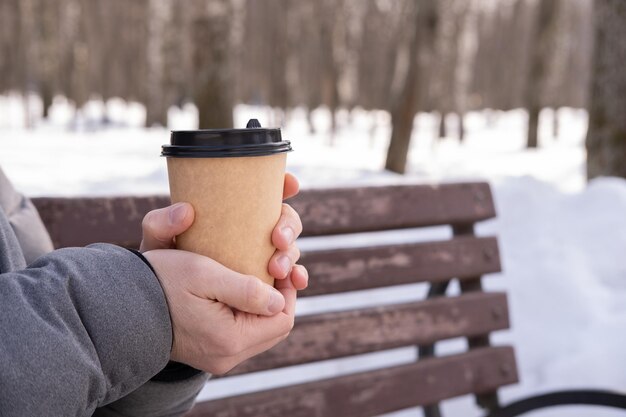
[(351, 269), (374, 392), (340, 334)]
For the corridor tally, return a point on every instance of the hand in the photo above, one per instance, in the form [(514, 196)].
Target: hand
[(161, 226), (208, 334)]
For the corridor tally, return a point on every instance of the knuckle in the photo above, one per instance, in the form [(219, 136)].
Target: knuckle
[(295, 220), (148, 221), (228, 346), (256, 295), (296, 254), (289, 323)]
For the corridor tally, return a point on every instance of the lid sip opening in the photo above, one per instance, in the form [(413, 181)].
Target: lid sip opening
[(252, 124)]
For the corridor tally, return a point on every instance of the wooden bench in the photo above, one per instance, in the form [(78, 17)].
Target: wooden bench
[(473, 314)]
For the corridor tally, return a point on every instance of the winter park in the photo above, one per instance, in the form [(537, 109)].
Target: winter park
[(462, 190)]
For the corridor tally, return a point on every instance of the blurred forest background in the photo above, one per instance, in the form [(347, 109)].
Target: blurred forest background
[(402, 56)]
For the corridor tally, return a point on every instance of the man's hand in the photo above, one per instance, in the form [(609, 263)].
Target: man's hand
[(160, 228), (220, 317)]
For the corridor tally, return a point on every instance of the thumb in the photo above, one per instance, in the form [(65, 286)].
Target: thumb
[(160, 226), (243, 292)]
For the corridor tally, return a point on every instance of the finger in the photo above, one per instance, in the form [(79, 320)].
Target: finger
[(287, 289), (291, 187), (282, 261), (299, 277), (162, 225), (263, 328), (245, 293), (287, 229)]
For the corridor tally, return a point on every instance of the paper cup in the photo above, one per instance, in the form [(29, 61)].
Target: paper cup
[(234, 180)]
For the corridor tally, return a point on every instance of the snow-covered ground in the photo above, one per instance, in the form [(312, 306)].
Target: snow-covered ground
[(562, 240)]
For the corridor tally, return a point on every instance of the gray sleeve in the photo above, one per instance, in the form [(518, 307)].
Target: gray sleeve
[(24, 219), (170, 393), (79, 329), (157, 399)]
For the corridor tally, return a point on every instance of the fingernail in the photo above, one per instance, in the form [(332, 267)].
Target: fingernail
[(177, 213), (288, 233), (285, 264), (276, 302)]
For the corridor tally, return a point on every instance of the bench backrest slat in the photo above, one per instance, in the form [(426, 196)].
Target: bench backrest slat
[(375, 392), (351, 210), (80, 221), (350, 269), (340, 334)]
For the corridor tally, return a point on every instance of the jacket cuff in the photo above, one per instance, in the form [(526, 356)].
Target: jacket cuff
[(173, 371)]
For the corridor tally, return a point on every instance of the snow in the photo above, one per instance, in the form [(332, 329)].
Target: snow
[(564, 274), (562, 240)]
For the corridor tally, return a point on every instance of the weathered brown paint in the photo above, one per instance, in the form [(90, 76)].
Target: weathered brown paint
[(350, 210), (80, 221), (334, 335), (375, 392), (380, 266)]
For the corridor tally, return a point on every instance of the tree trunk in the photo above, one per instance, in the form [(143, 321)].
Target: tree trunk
[(159, 15), (442, 126), (461, 127), (212, 67), (541, 44), (309, 119), (606, 137), (405, 108), (555, 123), (532, 136), (46, 98), (403, 112)]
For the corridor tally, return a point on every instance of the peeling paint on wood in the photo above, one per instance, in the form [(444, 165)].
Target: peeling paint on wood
[(79, 221), (334, 335), (375, 392), (352, 269)]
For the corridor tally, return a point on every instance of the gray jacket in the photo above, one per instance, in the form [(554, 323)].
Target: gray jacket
[(83, 331)]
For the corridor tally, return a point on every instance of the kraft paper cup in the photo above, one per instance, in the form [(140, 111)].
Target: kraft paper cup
[(234, 180)]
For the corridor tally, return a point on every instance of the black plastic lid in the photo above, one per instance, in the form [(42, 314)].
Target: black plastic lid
[(221, 143)]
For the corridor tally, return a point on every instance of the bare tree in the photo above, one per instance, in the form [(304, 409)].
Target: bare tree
[(156, 100), (542, 45), (606, 137), (13, 57), (47, 15), (213, 81), (405, 108)]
